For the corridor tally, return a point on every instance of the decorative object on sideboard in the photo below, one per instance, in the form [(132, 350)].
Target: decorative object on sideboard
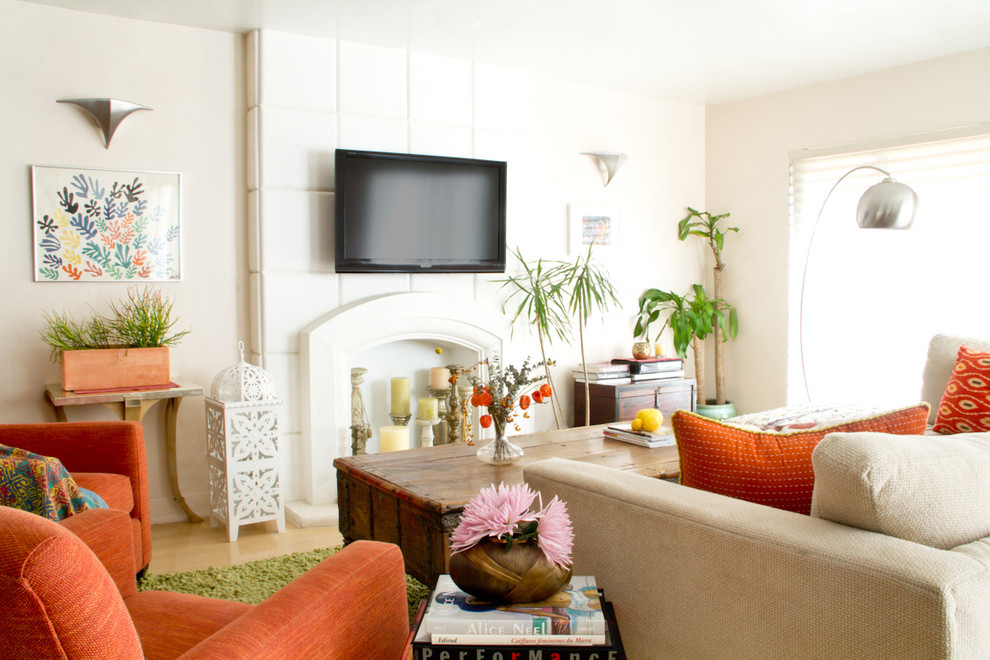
[(243, 448), (500, 393), (885, 205), (503, 552), (360, 425), (105, 225), (608, 163), (108, 113), (706, 226), (128, 348)]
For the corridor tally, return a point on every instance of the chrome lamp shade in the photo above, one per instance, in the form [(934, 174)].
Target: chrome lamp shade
[(887, 205)]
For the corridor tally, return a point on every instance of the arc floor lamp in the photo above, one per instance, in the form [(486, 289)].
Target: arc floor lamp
[(885, 205)]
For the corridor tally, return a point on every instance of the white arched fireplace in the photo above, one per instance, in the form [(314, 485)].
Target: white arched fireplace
[(327, 349)]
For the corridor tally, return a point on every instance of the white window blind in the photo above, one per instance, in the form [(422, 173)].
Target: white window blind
[(873, 298)]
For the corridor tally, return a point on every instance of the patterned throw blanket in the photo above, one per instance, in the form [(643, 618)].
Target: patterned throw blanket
[(39, 484)]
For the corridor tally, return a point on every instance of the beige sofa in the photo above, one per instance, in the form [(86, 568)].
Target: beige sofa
[(895, 565)]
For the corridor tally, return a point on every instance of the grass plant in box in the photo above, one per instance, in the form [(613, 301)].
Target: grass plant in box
[(127, 348)]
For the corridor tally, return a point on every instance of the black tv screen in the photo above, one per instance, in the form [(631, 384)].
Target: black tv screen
[(407, 213)]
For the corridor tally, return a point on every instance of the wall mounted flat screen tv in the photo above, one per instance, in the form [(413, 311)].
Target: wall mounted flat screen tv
[(407, 213)]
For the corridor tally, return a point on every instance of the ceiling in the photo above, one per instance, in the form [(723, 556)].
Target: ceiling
[(694, 51)]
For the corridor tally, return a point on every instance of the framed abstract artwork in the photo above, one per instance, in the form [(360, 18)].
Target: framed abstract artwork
[(105, 225), (587, 224)]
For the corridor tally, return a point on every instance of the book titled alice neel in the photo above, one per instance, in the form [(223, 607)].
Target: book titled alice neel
[(424, 649)]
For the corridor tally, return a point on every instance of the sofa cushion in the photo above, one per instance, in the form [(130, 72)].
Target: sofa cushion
[(768, 467), (926, 489), (965, 406), (942, 353), (114, 489)]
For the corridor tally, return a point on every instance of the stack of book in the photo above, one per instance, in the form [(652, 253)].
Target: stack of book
[(623, 371), (577, 624), (662, 437)]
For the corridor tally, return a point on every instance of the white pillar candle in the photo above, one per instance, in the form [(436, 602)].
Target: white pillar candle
[(427, 410), (400, 396), (394, 438), (440, 378)]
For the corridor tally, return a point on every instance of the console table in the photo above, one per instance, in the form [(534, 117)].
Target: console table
[(131, 405), (415, 498)]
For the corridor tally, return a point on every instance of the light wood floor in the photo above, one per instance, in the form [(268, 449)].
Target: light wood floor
[(184, 546)]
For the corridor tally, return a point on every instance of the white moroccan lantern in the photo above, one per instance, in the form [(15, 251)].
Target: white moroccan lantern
[(242, 448)]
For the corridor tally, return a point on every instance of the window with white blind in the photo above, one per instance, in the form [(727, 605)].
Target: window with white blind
[(874, 297)]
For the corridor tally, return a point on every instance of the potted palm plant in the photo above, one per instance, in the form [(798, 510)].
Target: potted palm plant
[(541, 302), (691, 318), (588, 289), (706, 226), (128, 348)]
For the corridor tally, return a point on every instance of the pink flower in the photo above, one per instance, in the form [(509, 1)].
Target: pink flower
[(504, 513), (493, 513), (554, 532)]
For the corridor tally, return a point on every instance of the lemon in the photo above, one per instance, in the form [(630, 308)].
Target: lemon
[(636, 424), (648, 413), (651, 424)]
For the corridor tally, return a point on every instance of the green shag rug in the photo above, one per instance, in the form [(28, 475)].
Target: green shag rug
[(255, 581)]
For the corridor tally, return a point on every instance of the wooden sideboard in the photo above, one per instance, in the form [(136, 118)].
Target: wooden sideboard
[(613, 403)]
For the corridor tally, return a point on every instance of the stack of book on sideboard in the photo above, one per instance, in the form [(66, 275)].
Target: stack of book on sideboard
[(623, 371), (577, 624)]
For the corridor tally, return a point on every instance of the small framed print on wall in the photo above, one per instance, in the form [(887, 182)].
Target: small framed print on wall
[(587, 224), (105, 225)]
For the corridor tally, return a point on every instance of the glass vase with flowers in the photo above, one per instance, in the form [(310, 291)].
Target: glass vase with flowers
[(502, 392)]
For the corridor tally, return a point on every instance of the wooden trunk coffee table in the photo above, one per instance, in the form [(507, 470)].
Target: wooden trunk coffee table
[(415, 498)]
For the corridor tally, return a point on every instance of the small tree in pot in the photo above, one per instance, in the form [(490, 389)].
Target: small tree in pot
[(692, 318), (705, 225)]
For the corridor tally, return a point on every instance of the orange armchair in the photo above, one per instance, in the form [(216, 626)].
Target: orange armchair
[(105, 457), (60, 602)]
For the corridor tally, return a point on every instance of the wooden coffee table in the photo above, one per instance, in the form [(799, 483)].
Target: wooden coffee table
[(415, 498)]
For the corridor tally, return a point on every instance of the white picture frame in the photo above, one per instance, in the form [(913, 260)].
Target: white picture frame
[(587, 223)]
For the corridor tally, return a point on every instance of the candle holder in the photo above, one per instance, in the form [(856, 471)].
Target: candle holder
[(454, 405), (441, 435), (465, 392), (426, 432), (401, 420), (360, 426)]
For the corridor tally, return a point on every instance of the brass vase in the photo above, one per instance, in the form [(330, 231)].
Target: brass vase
[(495, 572)]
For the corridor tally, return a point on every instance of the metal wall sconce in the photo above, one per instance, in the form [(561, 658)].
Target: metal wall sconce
[(609, 163), (108, 113)]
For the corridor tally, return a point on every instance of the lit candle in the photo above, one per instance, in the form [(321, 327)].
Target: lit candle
[(400, 396), (659, 350), (395, 438), (427, 410), (440, 378)]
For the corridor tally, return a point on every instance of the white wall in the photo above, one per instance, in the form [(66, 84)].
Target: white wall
[(313, 95), (748, 143), (193, 79)]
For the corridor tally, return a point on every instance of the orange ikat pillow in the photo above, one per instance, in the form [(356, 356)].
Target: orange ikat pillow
[(768, 467), (965, 406)]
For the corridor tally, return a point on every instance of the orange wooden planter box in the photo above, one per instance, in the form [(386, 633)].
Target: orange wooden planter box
[(114, 368)]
